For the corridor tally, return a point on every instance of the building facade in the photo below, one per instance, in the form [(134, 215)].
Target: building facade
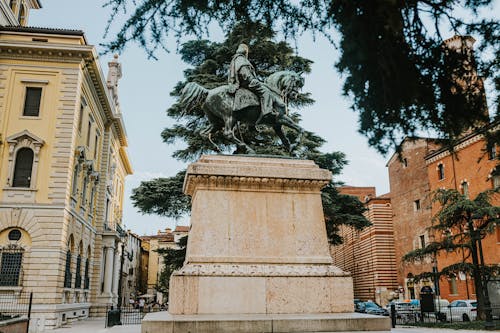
[(63, 162), (469, 169), (151, 244), (131, 268), (411, 206), (369, 254)]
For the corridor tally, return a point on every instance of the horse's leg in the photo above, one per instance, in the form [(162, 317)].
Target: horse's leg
[(285, 120), (279, 131)]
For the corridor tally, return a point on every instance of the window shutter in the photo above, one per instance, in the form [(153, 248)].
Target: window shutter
[(32, 102), (22, 169)]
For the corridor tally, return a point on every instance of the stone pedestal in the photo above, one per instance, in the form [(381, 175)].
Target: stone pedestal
[(257, 245)]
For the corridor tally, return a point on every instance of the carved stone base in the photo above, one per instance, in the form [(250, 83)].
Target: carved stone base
[(257, 243), (260, 294)]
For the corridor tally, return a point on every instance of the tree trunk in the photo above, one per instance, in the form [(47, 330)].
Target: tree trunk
[(476, 271)]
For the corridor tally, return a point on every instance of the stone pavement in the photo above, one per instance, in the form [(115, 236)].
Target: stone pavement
[(96, 325)]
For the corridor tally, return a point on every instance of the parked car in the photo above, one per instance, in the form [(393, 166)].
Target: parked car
[(462, 310), (375, 309), (359, 305)]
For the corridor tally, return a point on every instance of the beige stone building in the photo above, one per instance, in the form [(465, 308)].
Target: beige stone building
[(369, 254), (131, 268), (63, 162), (151, 244)]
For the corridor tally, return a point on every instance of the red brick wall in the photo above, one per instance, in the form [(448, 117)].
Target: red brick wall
[(470, 164)]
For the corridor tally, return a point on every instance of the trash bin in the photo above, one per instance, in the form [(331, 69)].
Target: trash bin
[(114, 318)]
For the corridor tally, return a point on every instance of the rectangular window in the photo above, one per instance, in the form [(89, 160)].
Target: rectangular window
[(32, 102), (492, 151), (422, 241), (89, 131), (440, 171), (453, 285), (10, 268), (80, 119), (416, 205), (496, 181), (96, 145)]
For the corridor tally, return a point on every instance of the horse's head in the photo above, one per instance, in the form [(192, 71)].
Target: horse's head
[(287, 82)]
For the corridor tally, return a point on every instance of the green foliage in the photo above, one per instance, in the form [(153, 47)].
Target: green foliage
[(396, 70), (173, 258), (162, 196)]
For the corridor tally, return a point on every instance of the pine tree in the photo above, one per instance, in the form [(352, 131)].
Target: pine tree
[(392, 52), (209, 61), (459, 226)]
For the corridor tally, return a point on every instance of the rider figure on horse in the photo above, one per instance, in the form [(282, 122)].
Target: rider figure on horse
[(242, 74)]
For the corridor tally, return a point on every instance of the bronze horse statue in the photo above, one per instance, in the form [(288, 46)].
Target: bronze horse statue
[(225, 110)]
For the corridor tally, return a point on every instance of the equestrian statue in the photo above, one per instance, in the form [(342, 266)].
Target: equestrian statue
[(246, 100)]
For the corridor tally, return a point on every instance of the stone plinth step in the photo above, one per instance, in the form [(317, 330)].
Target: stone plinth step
[(164, 322)]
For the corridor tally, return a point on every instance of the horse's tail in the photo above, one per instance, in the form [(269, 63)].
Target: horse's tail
[(192, 95)]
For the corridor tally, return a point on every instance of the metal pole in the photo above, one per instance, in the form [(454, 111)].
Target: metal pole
[(29, 312)]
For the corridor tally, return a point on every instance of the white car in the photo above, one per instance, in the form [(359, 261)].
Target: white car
[(462, 310)]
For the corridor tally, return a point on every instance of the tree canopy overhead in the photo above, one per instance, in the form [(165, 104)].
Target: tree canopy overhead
[(392, 57)]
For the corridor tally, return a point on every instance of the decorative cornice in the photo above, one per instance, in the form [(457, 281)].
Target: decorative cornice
[(68, 53), (433, 158), (251, 183), (259, 270), (254, 173)]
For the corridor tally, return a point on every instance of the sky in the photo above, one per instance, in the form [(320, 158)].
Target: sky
[(144, 97)]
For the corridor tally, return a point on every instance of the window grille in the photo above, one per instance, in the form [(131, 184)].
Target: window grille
[(32, 99), (23, 167), (78, 275), (86, 283), (10, 267), (67, 272)]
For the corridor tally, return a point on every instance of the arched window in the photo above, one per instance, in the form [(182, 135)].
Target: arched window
[(86, 279), (23, 167), (13, 5), (440, 171), (67, 268), (78, 274), (465, 188)]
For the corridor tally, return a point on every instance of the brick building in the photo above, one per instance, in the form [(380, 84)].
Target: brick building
[(468, 170), (369, 254), (411, 206)]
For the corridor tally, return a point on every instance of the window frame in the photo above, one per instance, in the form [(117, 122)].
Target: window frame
[(16, 169), (12, 249), (27, 88)]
